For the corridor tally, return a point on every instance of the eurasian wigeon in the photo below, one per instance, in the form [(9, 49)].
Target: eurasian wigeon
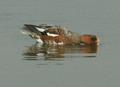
[(57, 35)]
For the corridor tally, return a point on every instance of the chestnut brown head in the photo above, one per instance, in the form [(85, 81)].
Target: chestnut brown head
[(89, 39)]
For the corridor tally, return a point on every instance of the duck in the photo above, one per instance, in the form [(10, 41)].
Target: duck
[(58, 35)]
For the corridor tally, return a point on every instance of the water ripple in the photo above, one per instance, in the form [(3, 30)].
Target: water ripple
[(36, 52)]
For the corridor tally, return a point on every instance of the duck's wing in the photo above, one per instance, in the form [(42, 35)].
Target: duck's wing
[(46, 26), (55, 30), (34, 29), (45, 29)]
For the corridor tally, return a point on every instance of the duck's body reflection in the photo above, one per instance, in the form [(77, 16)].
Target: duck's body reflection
[(50, 52)]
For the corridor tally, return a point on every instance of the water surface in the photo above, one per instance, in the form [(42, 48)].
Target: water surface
[(69, 67)]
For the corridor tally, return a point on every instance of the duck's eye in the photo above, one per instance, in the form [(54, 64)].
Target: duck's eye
[(94, 38)]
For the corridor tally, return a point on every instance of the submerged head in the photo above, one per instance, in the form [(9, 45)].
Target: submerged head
[(89, 39)]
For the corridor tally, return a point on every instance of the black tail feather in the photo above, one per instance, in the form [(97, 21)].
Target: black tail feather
[(32, 28)]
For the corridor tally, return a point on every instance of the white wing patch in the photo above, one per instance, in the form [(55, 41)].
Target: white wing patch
[(40, 29), (39, 41), (53, 35)]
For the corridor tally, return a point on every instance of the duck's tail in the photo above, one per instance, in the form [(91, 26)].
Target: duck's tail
[(33, 29)]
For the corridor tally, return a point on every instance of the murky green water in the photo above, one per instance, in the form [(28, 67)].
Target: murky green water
[(23, 64)]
